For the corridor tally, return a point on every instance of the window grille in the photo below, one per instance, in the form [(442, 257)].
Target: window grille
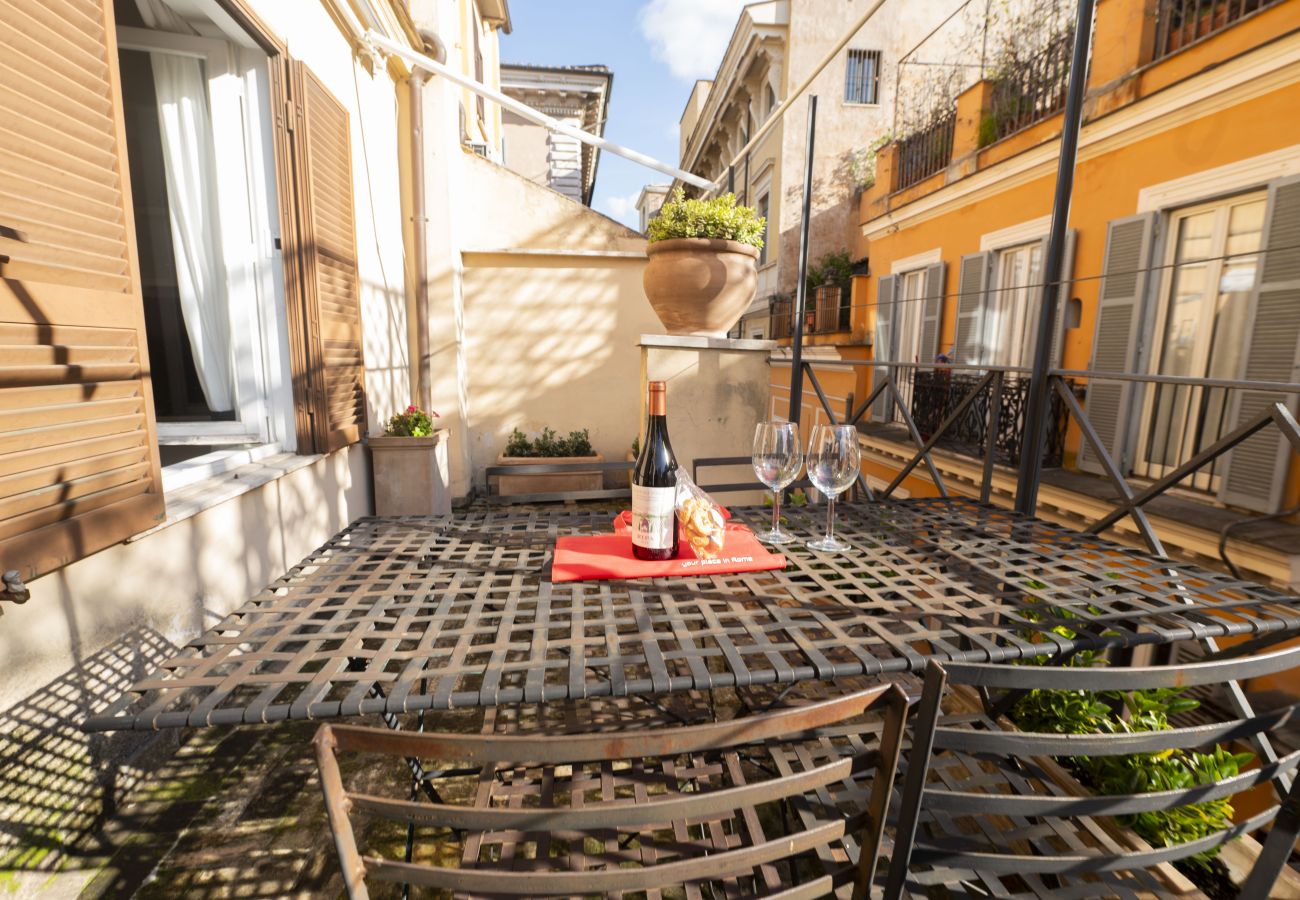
[(862, 77)]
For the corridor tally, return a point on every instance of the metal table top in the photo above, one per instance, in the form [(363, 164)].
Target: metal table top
[(399, 615)]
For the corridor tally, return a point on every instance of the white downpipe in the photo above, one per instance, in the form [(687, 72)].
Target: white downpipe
[(419, 59)]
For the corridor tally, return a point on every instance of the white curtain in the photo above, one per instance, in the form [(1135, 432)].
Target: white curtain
[(190, 170)]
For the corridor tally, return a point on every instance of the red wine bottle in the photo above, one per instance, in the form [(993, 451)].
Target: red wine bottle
[(654, 486)]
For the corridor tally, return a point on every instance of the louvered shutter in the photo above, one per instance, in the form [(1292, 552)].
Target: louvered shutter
[(78, 452), (1255, 471), (932, 312), (972, 304), (1062, 295), (1115, 345), (885, 340), (333, 373)]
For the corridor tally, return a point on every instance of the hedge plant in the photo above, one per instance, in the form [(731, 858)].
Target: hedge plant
[(548, 444)]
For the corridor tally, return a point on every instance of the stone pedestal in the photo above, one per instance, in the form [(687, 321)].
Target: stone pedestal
[(718, 390)]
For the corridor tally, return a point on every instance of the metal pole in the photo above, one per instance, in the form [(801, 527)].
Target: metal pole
[(731, 180), (800, 291), (1036, 411)]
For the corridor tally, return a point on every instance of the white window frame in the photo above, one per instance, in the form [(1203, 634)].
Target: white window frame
[(999, 303), (238, 95), (1202, 479)]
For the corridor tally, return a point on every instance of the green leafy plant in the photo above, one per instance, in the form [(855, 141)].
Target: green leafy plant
[(411, 422), (548, 444), (1121, 712), (636, 446), (831, 268), (719, 218)]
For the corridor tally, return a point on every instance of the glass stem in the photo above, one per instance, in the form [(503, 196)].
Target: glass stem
[(776, 510), (830, 518)]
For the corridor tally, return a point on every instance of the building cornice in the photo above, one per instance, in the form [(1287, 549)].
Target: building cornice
[(1253, 74)]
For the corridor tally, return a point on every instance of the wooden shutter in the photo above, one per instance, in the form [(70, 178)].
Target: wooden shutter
[(972, 303), (1255, 471), (885, 339), (1116, 343), (321, 257), (1062, 295), (932, 312), (78, 452)]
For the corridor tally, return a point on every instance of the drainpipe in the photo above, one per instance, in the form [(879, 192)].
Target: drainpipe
[(419, 222)]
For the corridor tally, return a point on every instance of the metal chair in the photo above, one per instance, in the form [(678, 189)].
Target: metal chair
[(984, 811), (629, 811)]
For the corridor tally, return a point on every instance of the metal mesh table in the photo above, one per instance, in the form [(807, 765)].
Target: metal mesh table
[(403, 615)]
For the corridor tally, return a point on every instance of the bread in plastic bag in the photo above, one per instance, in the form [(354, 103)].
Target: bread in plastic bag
[(704, 524)]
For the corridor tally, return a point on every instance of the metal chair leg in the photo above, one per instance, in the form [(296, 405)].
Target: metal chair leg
[(1277, 847), (918, 769)]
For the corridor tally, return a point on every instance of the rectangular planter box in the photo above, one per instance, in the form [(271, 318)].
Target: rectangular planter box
[(411, 475), (578, 479)]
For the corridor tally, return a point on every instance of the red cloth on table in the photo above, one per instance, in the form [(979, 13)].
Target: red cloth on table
[(602, 557)]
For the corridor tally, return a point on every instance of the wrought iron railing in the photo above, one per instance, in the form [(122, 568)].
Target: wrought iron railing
[(926, 151), (1259, 406), (781, 312), (827, 310), (1183, 22), (936, 393), (1028, 90)]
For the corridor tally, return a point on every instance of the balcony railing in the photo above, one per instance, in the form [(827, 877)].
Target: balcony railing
[(1261, 413), (1182, 22), (937, 393), (827, 311), (926, 151), (1029, 90)]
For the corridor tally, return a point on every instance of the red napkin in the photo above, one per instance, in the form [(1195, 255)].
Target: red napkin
[(604, 556)]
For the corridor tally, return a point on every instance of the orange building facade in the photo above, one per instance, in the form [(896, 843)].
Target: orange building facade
[(1183, 255)]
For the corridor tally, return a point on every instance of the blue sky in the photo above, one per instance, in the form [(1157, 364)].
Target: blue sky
[(656, 49)]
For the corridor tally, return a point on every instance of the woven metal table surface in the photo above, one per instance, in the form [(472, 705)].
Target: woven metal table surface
[(399, 615)]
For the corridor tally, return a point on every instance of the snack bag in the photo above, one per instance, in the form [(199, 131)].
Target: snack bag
[(704, 524)]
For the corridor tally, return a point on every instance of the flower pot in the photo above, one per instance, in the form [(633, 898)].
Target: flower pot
[(575, 478), (700, 286), (410, 475)]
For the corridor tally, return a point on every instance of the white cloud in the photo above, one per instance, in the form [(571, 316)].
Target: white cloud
[(690, 36), (624, 209)]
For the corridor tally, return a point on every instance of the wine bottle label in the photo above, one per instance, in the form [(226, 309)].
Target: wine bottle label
[(653, 516)]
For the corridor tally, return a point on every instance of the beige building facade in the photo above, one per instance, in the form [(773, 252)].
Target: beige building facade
[(575, 95), (773, 49)]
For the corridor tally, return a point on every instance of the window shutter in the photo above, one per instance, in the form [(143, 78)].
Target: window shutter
[(329, 367), (886, 295), (1115, 347), (1062, 294), (78, 452), (932, 312), (1254, 472), (972, 302)]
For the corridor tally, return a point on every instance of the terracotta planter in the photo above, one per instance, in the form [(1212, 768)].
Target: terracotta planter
[(575, 479), (700, 286), (410, 475)]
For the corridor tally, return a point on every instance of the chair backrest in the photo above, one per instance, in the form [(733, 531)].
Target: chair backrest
[(933, 737), (602, 818), (716, 462)]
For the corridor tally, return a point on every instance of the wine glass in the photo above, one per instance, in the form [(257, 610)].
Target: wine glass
[(833, 462), (777, 461)]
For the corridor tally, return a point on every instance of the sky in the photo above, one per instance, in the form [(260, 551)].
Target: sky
[(656, 49)]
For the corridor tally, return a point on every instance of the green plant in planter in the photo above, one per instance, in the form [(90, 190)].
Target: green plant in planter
[(719, 218), (548, 444), (411, 422), (1087, 712)]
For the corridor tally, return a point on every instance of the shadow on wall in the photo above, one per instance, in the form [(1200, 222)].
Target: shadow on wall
[(57, 784), (552, 342)]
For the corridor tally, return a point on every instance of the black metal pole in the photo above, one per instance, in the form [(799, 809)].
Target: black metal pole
[(800, 291), (1036, 410), (731, 179)]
